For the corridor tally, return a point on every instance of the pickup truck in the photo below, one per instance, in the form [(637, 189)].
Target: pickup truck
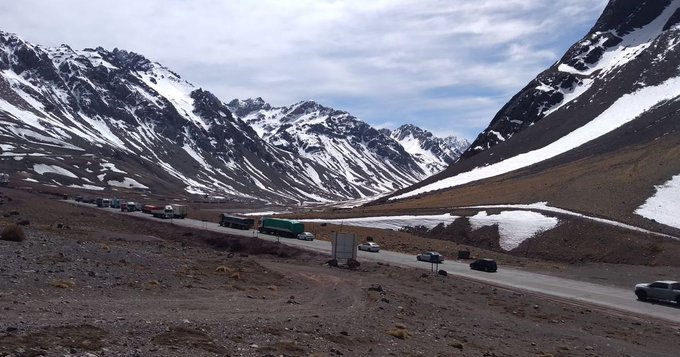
[(659, 290)]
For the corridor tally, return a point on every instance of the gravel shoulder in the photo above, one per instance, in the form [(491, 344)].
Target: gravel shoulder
[(85, 284)]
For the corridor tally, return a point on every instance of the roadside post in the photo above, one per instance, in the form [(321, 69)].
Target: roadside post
[(344, 247)]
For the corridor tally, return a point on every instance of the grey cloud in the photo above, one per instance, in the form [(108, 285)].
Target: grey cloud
[(386, 56)]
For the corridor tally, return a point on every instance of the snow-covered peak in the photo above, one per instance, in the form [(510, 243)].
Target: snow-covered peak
[(162, 133), (624, 34), (434, 154), (242, 108), (604, 50)]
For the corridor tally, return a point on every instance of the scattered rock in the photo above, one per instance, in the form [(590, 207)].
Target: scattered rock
[(457, 345), (376, 287)]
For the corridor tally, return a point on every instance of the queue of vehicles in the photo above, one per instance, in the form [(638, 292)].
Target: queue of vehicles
[(163, 211), (663, 290)]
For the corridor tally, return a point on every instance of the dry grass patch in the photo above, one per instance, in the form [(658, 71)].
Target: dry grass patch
[(64, 284), (224, 269), (13, 233), (399, 331)]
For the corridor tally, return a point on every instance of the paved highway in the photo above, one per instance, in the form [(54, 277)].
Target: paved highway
[(622, 300)]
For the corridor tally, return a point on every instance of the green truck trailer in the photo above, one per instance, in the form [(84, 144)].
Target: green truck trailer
[(227, 220), (281, 227)]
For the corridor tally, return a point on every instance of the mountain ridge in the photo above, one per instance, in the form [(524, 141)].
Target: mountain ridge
[(85, 111)]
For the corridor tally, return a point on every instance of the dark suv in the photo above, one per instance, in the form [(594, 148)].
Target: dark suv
[(487, 265)]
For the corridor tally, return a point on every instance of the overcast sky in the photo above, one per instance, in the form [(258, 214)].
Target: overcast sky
[(445, 65)]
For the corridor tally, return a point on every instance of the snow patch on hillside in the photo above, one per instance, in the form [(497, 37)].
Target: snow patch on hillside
[(514, 227), (42, 169), (569, 95), (543, 206), (664, 206), (631, 46), (624, 110), (127, 183), (175, 90), (87, 187)]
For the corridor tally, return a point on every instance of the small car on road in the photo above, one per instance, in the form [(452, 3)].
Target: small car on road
[(305, 236), (369, 247), (487, 265), (432, 257), (659, 290)]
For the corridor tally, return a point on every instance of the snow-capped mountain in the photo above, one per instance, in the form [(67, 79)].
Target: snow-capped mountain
[(433, 154), (97, 119), (345, 145), (597, 132), (622, 38)]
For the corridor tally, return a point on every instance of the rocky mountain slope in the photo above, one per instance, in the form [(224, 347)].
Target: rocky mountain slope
[(597, 132), (95, 119), (347, 146), (434, 154)]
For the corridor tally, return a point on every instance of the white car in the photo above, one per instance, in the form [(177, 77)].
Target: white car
[(369, 247), (305, 236)]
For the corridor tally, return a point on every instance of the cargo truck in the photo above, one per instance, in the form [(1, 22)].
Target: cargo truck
[(227, 220), (103, 202), (115, 203), (128, 207), (179, 211), (281, 227), (148, 208), (162, 212)]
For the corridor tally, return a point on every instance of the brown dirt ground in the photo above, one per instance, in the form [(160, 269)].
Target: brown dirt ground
[(110, 285)]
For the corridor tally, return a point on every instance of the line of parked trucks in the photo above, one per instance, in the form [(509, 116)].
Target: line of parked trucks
[(272, 226), (164, 211)]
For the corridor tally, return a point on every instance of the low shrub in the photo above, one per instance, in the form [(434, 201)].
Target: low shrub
[(64, 284), (13, 233), (400, 332)]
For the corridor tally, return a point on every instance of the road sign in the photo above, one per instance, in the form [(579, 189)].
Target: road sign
[(344, 246)]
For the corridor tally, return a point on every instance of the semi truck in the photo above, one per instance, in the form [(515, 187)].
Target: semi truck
[(179, 211), (230, 221), (103, 202), (128, 207), (281, 227), (162, 212), (116, 202)]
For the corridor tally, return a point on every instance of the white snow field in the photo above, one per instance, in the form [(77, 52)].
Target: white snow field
[(664, 206), (514, 227), (53, 169), (543, 206)]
